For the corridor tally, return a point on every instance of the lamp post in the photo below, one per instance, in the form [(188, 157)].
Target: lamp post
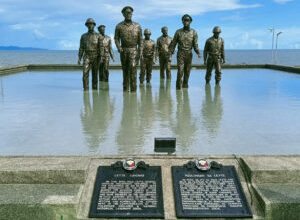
[(273, 35), (277, 35)]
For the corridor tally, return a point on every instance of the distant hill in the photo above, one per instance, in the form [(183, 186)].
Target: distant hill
[(19, 48)]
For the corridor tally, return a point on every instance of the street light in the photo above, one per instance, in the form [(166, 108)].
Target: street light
[(273, 35), (277, 44)]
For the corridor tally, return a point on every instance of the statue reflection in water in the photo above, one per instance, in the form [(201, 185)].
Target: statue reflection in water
[(137, 120), (95, 117), (1, 88), (129, 134), (185, 125), (212, 110), (146, 106), (164, 101)]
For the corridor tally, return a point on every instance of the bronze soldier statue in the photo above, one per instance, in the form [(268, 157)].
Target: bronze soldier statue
[(128, 39), (148, 57), (162, 46), (187, 39), (89, 51), (105, 53), (214, 55)]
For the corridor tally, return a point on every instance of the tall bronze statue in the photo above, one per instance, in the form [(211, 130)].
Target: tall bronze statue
[(89, 51), (106, 52), (214, 55), (187, 39), (164, 55), (128, 39), (148, 57)]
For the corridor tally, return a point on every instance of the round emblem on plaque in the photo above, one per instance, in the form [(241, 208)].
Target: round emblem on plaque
[(202, 164), (129, 164)]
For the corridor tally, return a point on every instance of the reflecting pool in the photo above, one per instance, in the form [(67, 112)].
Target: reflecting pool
[(254, 111)]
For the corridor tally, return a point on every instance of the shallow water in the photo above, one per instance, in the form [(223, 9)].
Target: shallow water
[(282, 57), (255, 111)]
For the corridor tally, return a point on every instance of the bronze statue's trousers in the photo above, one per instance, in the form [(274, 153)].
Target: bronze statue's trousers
[(103, 69), (129, 62), (90, 62), (165, 65), (213, 62), (146, 69), (184, 64)]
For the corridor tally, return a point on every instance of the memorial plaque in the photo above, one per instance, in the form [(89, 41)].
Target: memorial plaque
[(212, 193), (123, 193)]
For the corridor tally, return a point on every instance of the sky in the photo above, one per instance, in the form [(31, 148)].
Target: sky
[(58, 24)]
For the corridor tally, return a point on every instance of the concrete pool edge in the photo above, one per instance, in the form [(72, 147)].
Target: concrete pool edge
[(32, 67), (64, 184)]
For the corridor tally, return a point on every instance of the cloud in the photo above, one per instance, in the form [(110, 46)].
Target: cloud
[(68, 45), (295, 45), (112, 8), (24, 26), (61, 23), (38, 34), (162, 8), (233, 17), (241, 38), (282, 1)]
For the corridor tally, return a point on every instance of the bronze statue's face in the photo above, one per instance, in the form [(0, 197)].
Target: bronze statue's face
[(186, 22), (164, 31), (127, 14), (216, 34), (101, 30), (147, 36), (90, 26)]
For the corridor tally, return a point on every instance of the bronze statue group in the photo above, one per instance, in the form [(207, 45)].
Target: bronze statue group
[(96, 51)]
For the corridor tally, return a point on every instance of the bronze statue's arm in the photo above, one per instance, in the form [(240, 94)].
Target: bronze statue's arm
[(111, 52), (155, 52), (117, 39), (173, 43), (140, 43), (195, 44), (205, 52), (157, 49), (81, 50), (223, 52)]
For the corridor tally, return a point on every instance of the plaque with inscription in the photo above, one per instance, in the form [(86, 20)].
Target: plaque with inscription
[(213, 193), (125, 191)]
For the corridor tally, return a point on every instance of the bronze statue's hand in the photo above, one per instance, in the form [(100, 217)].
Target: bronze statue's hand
[(199, 56), (205, 63), (120, 50), (78, 62), (223, 61), (113, 59)]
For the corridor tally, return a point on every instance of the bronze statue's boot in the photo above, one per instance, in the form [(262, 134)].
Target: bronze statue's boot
[(95, 85), (185, 85), (85, 85), (141, 80), (133, 90), (178, 86)]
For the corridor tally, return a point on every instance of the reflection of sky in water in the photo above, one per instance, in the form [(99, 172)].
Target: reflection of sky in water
[(252, 112)]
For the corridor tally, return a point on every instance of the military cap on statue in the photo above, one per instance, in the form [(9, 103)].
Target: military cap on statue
[(127, 7), (186, 16)]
